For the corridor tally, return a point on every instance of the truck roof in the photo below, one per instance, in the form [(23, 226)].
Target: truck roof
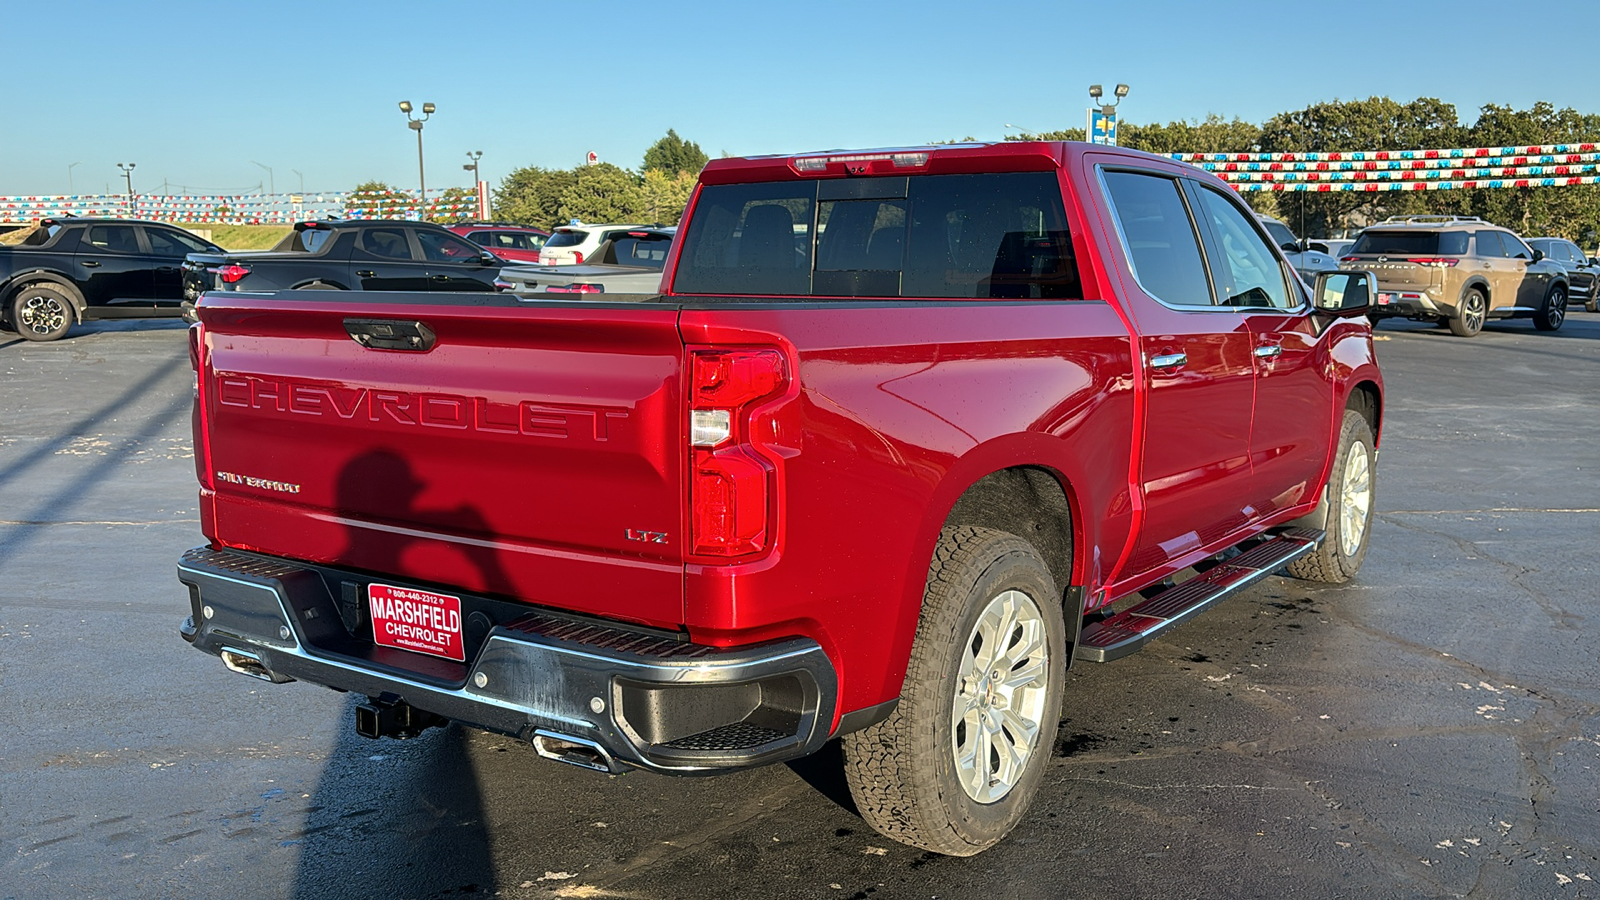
[(932, 159)]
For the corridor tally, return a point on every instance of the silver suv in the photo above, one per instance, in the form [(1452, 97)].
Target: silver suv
[(1460, 272)]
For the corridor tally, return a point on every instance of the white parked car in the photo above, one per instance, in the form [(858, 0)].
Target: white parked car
[(575, 244)]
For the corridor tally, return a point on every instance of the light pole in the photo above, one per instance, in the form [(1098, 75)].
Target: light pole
[(127, 172), (1108, 111), (272, 188), (415, 124), (1025, 131), (472, 167), (69, 177), (302, 180)]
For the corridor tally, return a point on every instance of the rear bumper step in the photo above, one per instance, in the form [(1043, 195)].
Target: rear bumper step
[(581, 692), (1127, 631)]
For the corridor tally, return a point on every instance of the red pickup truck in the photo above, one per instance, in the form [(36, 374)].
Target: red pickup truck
[(902, 435)]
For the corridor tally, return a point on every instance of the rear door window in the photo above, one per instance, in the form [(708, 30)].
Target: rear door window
[(926, 236), (1162, 244), (111, 239), (1489, 245), (386, 243)]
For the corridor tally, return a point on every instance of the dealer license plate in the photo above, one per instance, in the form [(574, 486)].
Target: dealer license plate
[(419, 621)]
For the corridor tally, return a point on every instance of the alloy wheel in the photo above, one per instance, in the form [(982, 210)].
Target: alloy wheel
[(1355, 498), (1001, 690)]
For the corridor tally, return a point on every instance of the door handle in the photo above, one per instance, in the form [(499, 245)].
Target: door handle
[(365, 273), (1168, 360), (441, 278), (90, 264), (166, 269), (1268, 351)]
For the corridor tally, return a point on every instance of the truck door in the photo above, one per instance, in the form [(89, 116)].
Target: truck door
[(1197, 359), (455, 264), (1289, 432), (169, 246), (384, 260), (111, 267)]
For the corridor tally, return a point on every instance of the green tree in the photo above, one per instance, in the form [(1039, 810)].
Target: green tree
[(1213, 134), (674, 156), (532, 195), (602, 193), (375, 199), (662, 197)]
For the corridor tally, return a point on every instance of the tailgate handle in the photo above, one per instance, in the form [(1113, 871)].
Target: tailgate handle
[(390, 334)]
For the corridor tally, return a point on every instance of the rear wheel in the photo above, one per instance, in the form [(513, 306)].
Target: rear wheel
[(956, 765), (1469, 316), (1555, 310), (41, 313), (1350, 493)]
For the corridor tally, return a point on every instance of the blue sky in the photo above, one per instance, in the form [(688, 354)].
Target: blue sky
[(193, 92)]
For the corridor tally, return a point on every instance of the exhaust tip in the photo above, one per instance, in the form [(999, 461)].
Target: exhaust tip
[(247, 663), (574, 751)]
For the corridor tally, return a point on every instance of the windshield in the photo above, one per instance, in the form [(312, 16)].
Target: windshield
[(1405, 243), (1280, 233), (565, 238)]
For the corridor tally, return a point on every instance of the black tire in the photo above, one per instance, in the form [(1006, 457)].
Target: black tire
[(904, 772), (1470, 314), (42, 312), (1554, 313), (1349, 531)]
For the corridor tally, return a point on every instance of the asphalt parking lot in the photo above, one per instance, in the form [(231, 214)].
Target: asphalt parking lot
[(1431, 729)]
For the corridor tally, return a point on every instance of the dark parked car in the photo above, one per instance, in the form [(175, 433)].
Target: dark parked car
[(349, 255), (1583, 272), (518, 243), (72, 270)]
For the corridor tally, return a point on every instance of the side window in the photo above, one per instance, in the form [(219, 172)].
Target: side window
[(1248, 273), (1160, 238), (1489, 245), (442, 246), (111, 239), (1453, 243), (173, 243), (389, 243), (1569, 253), (1515, 248), (1000, 236)]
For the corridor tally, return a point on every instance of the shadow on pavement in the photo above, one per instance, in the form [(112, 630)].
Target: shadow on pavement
[(395, 818)]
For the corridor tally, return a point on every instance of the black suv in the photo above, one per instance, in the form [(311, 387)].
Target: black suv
[(71, 270)]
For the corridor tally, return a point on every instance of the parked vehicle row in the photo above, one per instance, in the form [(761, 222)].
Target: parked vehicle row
[(629, 262), (511, 242), (571, 245)]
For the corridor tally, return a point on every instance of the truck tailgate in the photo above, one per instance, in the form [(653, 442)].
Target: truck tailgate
[(532, 451)]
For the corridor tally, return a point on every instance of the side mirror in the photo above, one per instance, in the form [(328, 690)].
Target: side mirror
[(1538, 255), (1318, 246), (489, 259), (1346, 293), (1289, 247)]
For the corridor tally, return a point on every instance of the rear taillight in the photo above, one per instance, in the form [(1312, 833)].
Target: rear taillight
[(1348, 258), (576, 288), (1442, 262), (202, 438), (577, 258), (733, 473), (230, 273)]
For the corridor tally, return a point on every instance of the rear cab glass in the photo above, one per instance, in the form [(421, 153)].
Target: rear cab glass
[(644, 252), (1412, 243), (924, 236)]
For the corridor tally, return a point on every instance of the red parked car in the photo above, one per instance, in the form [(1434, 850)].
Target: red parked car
[(515, 242), (906, 434)]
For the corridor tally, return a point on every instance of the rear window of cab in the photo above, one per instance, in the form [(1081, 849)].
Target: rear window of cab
[(935, 236)]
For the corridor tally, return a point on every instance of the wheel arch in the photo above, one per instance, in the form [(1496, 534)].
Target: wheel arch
[(56, 280), (1482, 284), (328, 283)]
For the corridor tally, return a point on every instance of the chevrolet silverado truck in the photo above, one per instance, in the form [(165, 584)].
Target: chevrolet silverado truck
[(65, 271), (348, 255), (903, 434)]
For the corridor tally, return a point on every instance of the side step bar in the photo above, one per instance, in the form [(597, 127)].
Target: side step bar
[(1127, 631)]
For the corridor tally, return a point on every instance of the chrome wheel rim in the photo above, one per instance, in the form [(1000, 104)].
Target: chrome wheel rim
[(42, 315), (1558, 308), (995, 722), (1472, 312), (1355, 499)]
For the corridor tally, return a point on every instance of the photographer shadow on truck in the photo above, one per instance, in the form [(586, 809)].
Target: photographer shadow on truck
[(379, 490)]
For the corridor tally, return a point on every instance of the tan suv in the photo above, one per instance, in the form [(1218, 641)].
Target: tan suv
[(1458, 271)]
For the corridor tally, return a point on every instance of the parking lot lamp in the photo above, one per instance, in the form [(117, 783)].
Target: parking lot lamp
[(272, 187), (472, 167), (422, 179), (127, 172)]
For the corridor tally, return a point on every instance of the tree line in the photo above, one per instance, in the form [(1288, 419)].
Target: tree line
[(1380, 123), (656, 193)]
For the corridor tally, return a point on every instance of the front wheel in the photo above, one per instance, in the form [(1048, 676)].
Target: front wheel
[(1554, 312), (956, 765), (1350, 492), (41, 313)]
